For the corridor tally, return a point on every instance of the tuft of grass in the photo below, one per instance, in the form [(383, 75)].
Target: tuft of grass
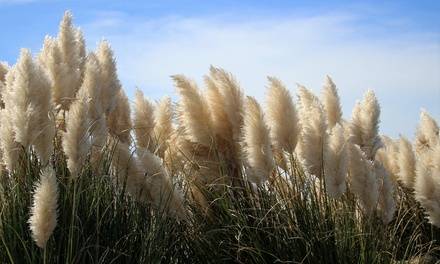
[(289, 219)]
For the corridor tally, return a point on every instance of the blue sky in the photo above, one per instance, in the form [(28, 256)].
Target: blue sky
[(392, 47)]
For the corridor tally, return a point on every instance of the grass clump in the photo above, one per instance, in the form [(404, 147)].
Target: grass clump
[(213, 178)]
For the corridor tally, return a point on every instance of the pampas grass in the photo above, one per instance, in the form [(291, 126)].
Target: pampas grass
[(221, 124), (163, 129), (72, 52), (427, 183), (76, 139), (226, 100), (143, 121), (256, 143), (233, 100), (29, 103), (388, 156), (82, 52), (363, 181), (406, 160), (161, 188), (314, 137), (109, 77), (364, 125), (92, 82), (210, 178), (336, 163), (25, 97), (194, 115), (10, 148), (129, 174), (331, 102), (427, 134), (43, 219), (51, 58), (282, 116), (386, 204), (119, 121)]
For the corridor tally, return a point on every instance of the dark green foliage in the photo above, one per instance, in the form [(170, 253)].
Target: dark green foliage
[(288, 220)]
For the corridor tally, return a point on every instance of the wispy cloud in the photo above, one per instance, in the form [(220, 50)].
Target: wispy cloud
[(399, 67)]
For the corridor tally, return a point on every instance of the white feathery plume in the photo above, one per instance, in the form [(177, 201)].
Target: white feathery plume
[(427, 183), (143, 121), (9, 78), (282, 116), (19, 93), (76, 139), (336, 163), (67, 37), (43, 141), (387, 155), (51, 59), (99, 141), (331, 102), (256, 143), (386, 205), (225, 100), (71, 60), (406, 161), (194, 114), (43, 213), (363, 181), (161, 188), (427, 134), (30, 105), (221, 124), (119, 120), (313, 141), (109, 77), (233, 100), (9, 147), (163, 118), (346, 126), (172, 156), (92, 82), (306, 98), (82, 53), (364, 125)]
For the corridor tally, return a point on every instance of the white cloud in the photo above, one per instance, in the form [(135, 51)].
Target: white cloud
[(297, 50)]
